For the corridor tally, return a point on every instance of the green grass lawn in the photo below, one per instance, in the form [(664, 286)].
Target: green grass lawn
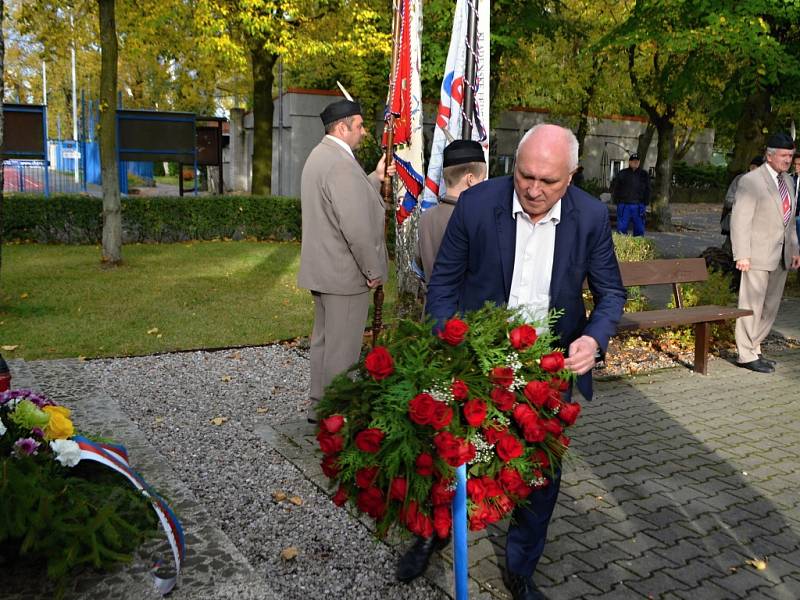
[(58, 301)]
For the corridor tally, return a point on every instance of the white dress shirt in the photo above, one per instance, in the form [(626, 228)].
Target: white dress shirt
[(533, 262)]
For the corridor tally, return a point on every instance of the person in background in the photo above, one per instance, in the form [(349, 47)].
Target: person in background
[(765, 246), (343, 252), (730, 198), (630, 191), (464, 166)]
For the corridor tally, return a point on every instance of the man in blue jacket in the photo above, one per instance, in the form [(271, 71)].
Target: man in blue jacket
[(531, 241), (630, 191)]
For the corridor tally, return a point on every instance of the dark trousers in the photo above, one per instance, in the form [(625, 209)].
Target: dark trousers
[(528, 530), (630, 213)]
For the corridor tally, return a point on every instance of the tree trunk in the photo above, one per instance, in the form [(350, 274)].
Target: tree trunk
[(662, 214), (2, 95), (109, 169), (263, 109), (586, 102), (748, 141), (645, 139)]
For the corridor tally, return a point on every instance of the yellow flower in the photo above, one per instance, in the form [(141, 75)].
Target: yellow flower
[(59, 427)]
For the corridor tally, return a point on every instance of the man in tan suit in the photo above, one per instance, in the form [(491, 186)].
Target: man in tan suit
[(464, 165), (343, 254), (765, 246)]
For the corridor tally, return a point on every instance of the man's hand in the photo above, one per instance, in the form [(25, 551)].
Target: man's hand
[(381, 166), (373, 283), (743, 264), (581, 355), (796, 262)]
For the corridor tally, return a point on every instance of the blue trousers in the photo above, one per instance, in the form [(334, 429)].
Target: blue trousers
[(528, 530), (627, 213)]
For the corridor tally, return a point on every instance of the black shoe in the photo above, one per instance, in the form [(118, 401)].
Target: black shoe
[(769, 361), (758, 366), (522, 588), (414, 562)]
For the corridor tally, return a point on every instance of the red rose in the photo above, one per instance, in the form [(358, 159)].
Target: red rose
[(460, 390), (491, 487), (369, 440), (333, 423), (503, 376), (330, 443), (553, 400), (512, 483), (398, 488), (525, 415), (564, 440), (477, 519), (442, 415), (417, 522), (553, 426), (476, 490), (552, 362), (372, 502), (474, 412), (569, 412), (442, 521), (440, 492), (340, 497), (536, 392), (539, 457), (379, 363), (454, 331), (504, 504), (421, 409), (522, 337), (424, 464), (365, 477), (509, 448), (454, 451), (534, 433), (493, 433), (562, 385), (330, 467), (503, 399)]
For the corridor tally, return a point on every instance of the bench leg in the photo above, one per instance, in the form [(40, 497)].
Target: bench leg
[(702, 341)]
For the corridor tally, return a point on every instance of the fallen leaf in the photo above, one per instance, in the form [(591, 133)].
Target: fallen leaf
[(23, 295), (10, 348), (152, 331), (159, 420), (296, 500), (236, 356), (262, 410), (759, 564), (289, 553), (159, 336), (279, 495), (225, 378), (219, 420)]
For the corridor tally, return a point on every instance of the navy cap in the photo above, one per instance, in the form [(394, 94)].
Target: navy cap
[(780, 140), (462, 151), (634, 156), (339, 110)]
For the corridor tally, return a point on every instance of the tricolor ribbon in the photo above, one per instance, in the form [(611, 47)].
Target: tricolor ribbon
[(115, 457)]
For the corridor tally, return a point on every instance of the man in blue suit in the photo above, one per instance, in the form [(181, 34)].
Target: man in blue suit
[(531, 241)]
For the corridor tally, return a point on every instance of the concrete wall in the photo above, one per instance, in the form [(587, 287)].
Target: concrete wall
[(297, 129)]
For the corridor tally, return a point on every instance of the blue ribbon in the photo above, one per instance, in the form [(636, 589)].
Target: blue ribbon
[(460, 534)]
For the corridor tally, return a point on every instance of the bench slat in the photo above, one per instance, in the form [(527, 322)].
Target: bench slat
[(672, 317), (662, 271)]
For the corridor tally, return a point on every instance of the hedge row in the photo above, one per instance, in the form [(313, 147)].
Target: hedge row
[(77, 219)]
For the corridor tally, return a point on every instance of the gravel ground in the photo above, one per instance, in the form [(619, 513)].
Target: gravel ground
[(233, 472)]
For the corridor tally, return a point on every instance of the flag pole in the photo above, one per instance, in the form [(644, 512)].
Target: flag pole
[(387, 189), (468, 101)]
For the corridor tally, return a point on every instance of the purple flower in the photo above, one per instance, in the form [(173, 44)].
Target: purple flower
[(38, 399), (38, 432), (26, 447)]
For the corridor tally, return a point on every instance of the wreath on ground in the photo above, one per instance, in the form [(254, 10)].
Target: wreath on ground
[(485, 391)]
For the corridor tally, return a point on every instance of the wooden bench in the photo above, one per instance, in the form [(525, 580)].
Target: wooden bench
[(674, 272)]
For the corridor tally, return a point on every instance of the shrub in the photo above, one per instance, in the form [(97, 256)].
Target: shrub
[(634, 249), (699, 176), (714, 290), (77, 219)]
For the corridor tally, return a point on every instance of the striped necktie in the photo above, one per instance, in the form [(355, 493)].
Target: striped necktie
[(787, 203)]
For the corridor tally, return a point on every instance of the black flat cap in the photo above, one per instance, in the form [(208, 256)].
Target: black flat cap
[(757, 161), (634, 156), (339, 110), (462, 151), (780, 140)]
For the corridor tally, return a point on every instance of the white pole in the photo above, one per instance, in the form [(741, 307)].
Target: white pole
[(44, 83), (74, 102)]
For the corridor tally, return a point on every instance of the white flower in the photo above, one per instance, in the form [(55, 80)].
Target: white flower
[(2, 427), (68, 453)]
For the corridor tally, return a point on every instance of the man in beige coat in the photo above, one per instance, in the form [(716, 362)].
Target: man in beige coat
[(343, 253), (765, 246), (464, 165)]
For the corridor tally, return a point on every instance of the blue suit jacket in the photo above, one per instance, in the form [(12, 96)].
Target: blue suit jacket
[(476, 261)]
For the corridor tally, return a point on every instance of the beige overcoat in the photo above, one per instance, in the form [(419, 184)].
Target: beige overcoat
[(343, 224), (432, 224), (757, 229)]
